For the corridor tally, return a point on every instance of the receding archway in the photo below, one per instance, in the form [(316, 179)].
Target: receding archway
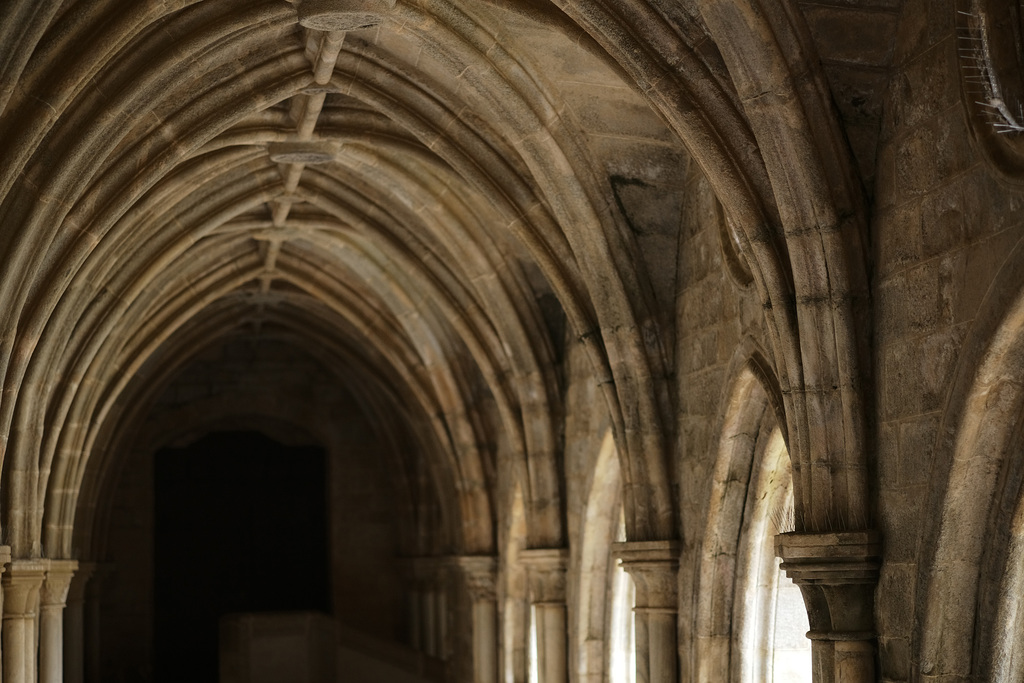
[(751, 621), (249, 515)]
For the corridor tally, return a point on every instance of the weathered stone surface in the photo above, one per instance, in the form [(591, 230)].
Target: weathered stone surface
[(540, 278)]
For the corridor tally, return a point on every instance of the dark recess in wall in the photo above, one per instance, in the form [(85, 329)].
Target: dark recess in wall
[(240, 527)]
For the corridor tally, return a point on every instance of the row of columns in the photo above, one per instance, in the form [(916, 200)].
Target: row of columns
[(43, 631), (836, 572)]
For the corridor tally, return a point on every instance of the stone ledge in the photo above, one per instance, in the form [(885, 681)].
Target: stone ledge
[(641, 552), (831, 558)]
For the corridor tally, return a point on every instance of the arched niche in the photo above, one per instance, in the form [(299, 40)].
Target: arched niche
[(968, 629), (600, 527), (750, 618), (364, 523)]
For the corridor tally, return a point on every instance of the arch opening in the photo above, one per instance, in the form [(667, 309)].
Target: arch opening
[(251, 514)]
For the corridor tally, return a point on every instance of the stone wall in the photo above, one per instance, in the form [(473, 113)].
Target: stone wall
[(943, 225)]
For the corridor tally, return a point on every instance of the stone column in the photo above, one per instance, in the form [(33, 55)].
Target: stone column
[(21, 583), (546, 575), (53, 596), (480, 574), (74, 625), (654, 566), (837, 573)]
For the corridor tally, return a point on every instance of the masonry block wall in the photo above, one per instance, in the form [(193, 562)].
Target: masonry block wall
[(594, 306)]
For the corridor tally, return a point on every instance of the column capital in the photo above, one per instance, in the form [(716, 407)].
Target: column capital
[(480, 573), (837, 573), (21, 583), (546, 569), (58, 581), (654, 566), (831, 558)]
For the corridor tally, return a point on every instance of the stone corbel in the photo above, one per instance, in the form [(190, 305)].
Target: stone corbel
[(837, 573)]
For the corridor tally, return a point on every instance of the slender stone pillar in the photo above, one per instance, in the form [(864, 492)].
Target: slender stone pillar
[(480, 573), (546, 575), (21, 583), (837, 573), (654, 566), (53, 597), (74, 625)]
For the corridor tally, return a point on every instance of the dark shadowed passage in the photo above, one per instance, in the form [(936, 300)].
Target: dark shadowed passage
[(250, 513)]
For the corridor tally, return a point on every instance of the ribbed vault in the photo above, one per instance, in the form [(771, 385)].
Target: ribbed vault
[(407, 200)]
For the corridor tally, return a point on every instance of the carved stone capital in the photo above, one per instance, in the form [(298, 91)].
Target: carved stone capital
[(546, 569), (831, 558), (59, 574), (836, 573), (22, 583), (654, 566), (480, 574)]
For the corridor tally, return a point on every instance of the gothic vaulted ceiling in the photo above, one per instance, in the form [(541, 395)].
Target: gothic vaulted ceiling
[(430, 196)]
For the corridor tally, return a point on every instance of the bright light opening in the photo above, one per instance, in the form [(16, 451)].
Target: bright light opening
[(622, 655)]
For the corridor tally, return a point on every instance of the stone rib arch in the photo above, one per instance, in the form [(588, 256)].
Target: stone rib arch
[(202, 417), (974, 448), (750, 414), (209, 329), (629, 332), (797, 200), (147, 346)]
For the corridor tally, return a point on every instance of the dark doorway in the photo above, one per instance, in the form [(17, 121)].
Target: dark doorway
[(241, 526)]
